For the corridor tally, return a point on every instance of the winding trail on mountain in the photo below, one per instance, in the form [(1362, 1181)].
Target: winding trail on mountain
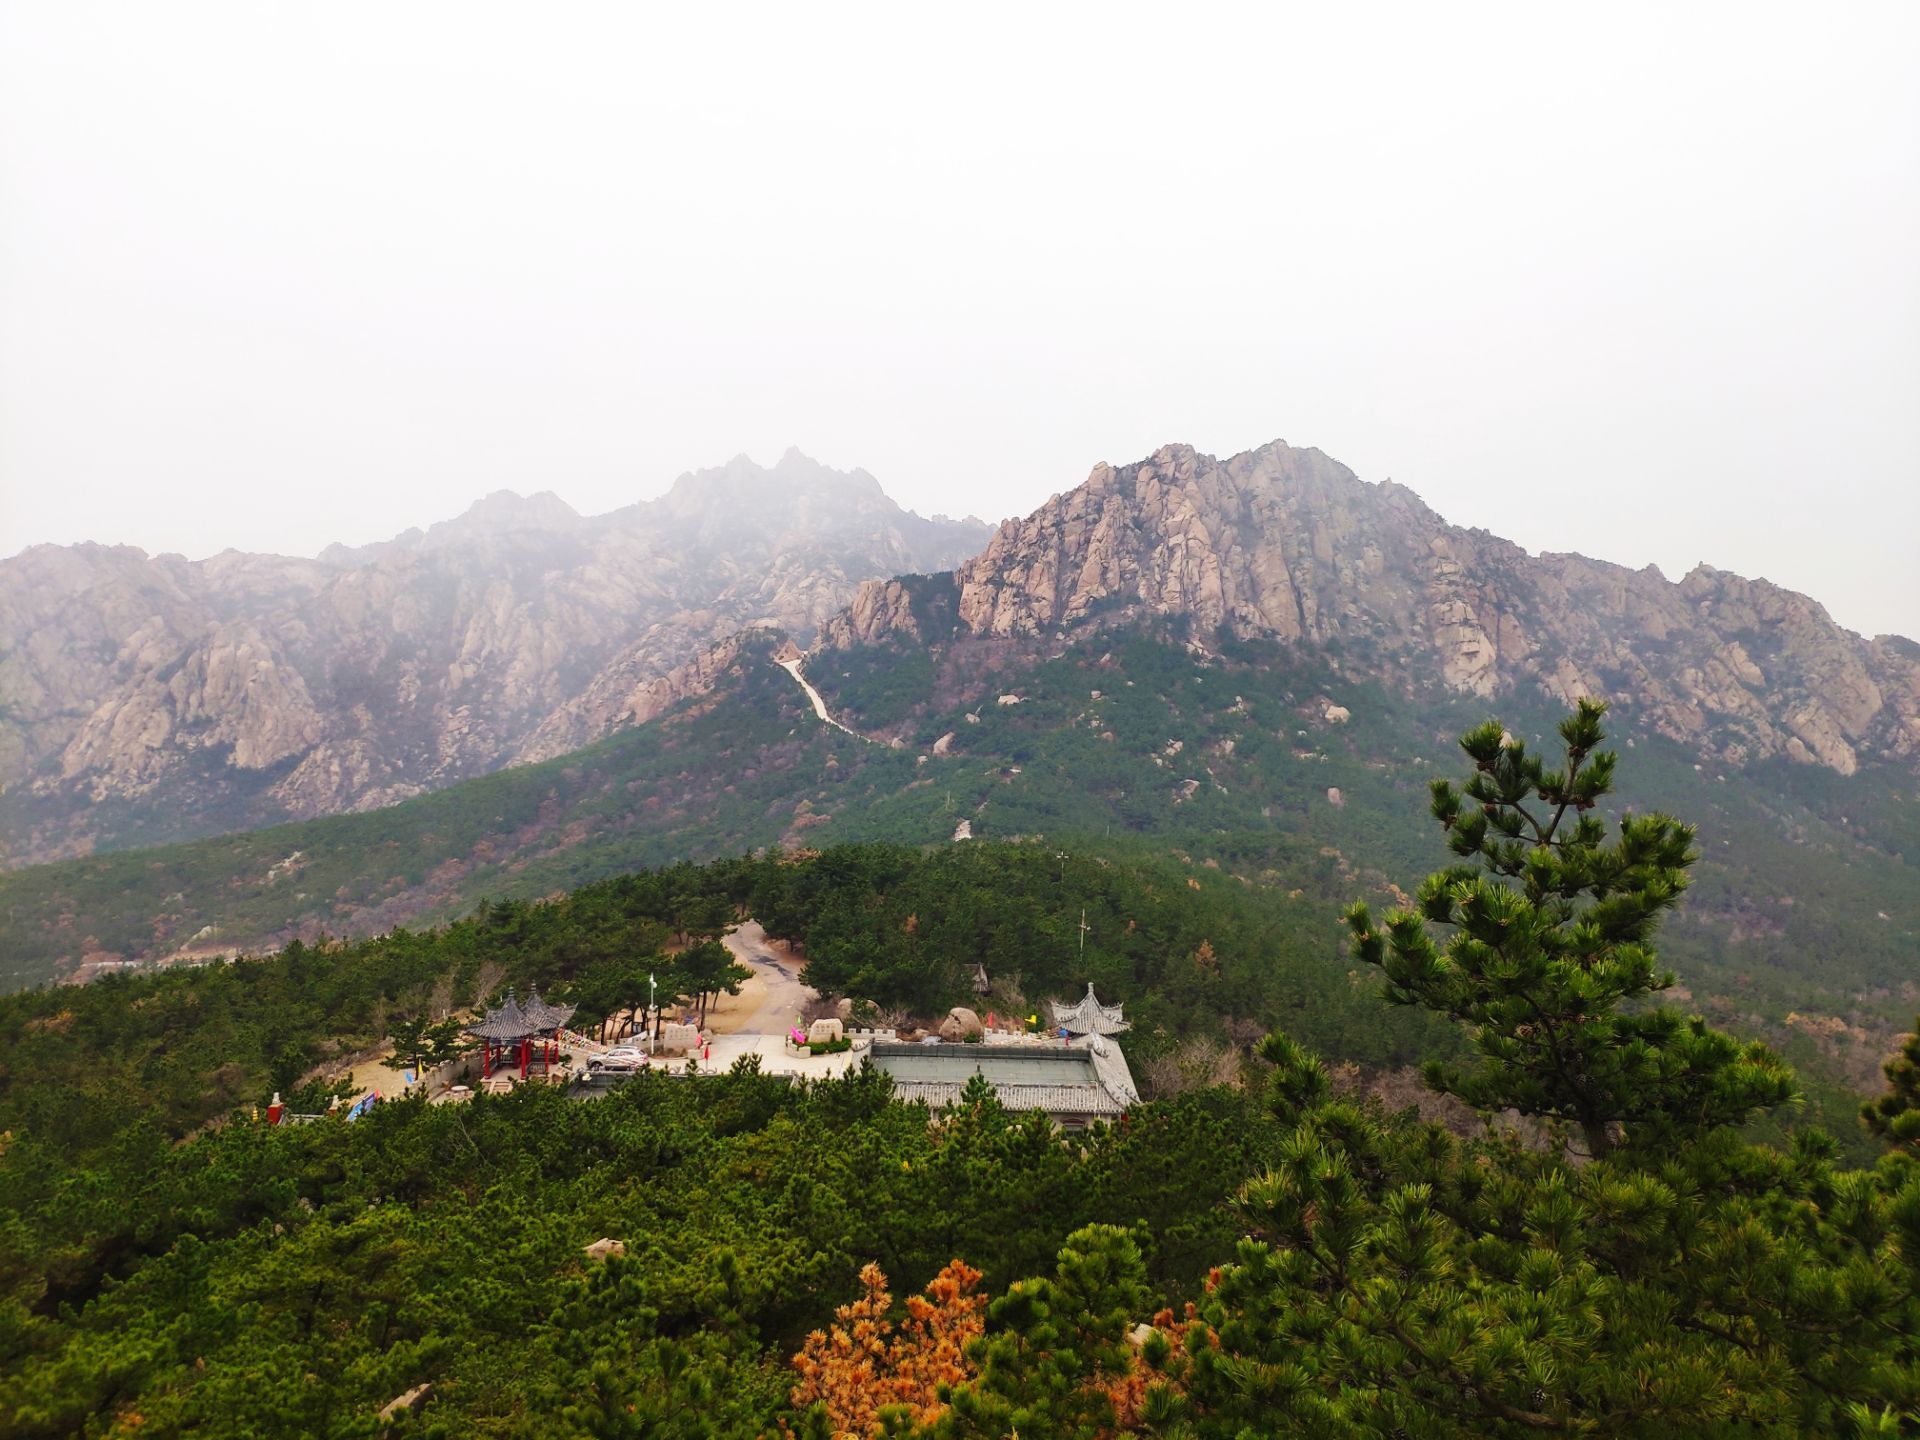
[(792, 667)]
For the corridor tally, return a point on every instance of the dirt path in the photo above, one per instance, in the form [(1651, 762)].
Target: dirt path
[(792, 667), (771, 1001)]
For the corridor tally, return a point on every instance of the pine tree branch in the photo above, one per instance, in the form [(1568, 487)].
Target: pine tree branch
[(1573, 771)]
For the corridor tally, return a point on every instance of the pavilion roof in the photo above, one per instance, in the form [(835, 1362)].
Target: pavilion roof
[(1088, 1017), (548, 1015), (517, 1021)]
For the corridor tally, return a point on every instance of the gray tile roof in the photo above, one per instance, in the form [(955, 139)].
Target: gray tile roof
[(1089, 1077), (1053, 1099), (514, 1021), (1088, 1017), (1110, 1066)]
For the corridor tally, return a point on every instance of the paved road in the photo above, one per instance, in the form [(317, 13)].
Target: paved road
[(768, 1004)]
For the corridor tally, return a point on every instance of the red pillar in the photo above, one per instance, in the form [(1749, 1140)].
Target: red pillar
[(523, 1059)]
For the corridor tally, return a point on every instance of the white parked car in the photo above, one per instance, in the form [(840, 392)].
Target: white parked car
[(620, 1060)]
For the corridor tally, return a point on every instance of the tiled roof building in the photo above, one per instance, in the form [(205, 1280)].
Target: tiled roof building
[(1074, 1084), (1088, 1017)]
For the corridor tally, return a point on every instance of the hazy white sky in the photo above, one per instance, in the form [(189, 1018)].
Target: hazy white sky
[(1639, 281)]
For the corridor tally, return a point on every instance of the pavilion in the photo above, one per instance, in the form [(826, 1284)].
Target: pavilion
[(1088, 1017), (518, 1027)]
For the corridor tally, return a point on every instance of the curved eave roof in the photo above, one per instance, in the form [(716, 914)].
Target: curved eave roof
[(514, 1021), (548, 1016), (1089, 1017)]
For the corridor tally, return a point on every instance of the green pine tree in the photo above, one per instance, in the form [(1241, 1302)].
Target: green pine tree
[(413, 1045), (1054, 1344), (706, 969), (1895, 1116), (1548, 955)]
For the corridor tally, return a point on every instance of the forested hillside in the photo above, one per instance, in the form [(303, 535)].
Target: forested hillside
[(1802, 920), (1192, 951), (1642, 1255)]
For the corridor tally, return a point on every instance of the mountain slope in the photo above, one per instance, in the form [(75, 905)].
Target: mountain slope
[(1800, 927), (1287, 544), (157, 698), (1161, 703)]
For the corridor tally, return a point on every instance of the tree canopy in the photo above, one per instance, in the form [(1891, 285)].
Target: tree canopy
[(1608, 1248), (1550, 947)]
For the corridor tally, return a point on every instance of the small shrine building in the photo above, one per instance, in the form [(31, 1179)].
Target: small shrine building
[(525, 1033)]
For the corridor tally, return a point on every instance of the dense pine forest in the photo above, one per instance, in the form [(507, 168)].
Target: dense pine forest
[(1804, 901), (1613, 1218)]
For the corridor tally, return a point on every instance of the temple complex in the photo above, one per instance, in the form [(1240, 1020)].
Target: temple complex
[(1074, 1083)]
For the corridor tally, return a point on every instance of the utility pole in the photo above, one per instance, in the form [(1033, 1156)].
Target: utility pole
[(1083, 933), (653, 1005)]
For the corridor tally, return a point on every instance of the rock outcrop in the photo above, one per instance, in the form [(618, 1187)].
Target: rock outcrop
[(153, 698), (961, 1024), (615, 701), (880, 610), (1287, 544), (236, 692)]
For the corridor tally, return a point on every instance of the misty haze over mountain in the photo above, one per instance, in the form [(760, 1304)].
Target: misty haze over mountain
[(1642, 289), (155, 698)]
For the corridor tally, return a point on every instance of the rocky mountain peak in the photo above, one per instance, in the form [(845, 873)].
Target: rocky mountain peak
[(794, 476), (256, 688), (800, 500), (1287, 544), (793, 460), (507, 510)]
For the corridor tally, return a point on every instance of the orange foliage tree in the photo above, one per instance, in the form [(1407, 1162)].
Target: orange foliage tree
[(1128, 1391), (866, 1363)]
